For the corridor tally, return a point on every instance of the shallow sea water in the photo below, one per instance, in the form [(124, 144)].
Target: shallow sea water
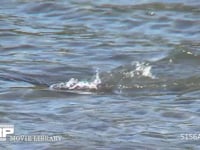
[(147, 54)]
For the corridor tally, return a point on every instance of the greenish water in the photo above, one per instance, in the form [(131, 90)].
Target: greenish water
[(147, 54)]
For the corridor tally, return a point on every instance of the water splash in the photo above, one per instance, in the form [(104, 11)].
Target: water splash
[(75, 84), (144, 70), (141, 70)]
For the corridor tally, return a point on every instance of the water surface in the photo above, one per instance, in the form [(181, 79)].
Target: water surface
[(148, 57)]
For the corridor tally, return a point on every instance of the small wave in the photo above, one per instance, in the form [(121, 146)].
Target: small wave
[(75, 84), (125, 76), (184, 54)]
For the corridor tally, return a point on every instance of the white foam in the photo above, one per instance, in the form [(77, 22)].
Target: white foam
[(75, 84), (141, 69)]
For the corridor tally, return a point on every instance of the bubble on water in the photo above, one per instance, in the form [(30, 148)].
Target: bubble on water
[(150, 13)]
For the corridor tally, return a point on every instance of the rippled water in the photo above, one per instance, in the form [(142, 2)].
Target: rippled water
[(147, 54)]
